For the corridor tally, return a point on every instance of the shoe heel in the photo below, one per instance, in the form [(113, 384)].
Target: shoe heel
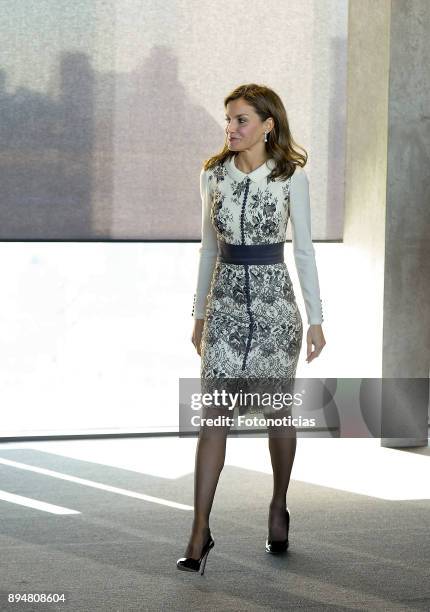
[(279, 546), (193, 565), (204, 563)]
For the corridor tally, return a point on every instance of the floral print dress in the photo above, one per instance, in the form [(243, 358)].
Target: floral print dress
[(253, 327)]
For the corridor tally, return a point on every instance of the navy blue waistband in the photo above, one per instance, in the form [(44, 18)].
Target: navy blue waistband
[(251, 253)]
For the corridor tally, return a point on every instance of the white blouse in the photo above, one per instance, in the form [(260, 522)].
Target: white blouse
[(291, 199)]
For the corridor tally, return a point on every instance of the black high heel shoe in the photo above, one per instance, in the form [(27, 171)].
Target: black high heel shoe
[(188, 564), (276, 547)]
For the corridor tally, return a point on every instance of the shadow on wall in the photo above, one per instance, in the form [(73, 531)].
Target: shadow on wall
[(105, 157)]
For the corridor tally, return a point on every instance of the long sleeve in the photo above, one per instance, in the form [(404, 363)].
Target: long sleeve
[(304, 253), (208, 251)]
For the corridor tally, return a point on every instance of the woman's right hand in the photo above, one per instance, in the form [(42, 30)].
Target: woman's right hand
[(196, 338)]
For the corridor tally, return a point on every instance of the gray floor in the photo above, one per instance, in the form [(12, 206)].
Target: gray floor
[(347, 551)]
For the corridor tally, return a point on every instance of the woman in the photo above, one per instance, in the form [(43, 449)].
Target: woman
[(247, 323)]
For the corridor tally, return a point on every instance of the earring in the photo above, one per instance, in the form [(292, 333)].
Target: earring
[(265, 136)]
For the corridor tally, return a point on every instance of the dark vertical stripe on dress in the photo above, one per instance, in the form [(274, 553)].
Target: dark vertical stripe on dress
[(247, 290)]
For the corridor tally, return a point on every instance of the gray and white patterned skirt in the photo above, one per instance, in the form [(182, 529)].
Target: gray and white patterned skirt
[(253, 328)]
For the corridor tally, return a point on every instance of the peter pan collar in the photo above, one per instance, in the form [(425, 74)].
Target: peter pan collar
[(256, 175)]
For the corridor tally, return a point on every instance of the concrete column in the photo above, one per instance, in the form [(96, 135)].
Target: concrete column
[(387, 216)]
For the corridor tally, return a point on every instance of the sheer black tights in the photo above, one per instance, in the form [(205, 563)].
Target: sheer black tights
[(209, 462), (282, 446), (210, 457)]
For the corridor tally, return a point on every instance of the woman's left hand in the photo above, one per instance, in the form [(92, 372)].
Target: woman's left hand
[(314, 337)]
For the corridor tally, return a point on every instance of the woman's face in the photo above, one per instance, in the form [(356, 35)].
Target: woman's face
[(244, 127)]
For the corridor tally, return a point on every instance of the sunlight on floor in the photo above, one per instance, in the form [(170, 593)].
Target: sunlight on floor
[(359, 466)]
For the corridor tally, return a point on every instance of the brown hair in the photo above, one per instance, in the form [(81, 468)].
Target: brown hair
[(280, 144)]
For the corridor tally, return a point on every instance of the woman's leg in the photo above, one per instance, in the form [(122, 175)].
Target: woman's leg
[(282, 446), (210, 456)]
